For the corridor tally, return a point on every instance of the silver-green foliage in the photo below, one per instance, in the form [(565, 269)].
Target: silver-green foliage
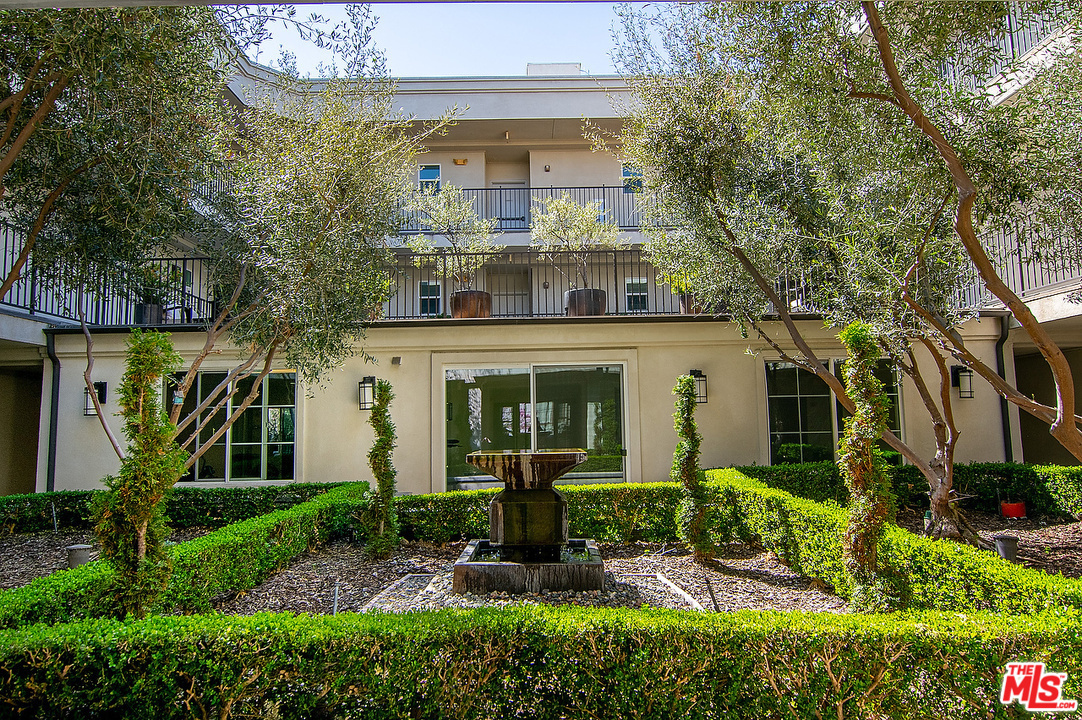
[(447, 212), (567, 233), (107, 119)]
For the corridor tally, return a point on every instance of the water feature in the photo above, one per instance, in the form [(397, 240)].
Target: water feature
[(528, 549)]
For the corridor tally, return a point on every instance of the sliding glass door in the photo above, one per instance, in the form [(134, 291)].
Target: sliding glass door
[(537, 407)]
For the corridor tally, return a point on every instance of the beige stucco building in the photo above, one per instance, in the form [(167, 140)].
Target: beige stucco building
[(528, 376)]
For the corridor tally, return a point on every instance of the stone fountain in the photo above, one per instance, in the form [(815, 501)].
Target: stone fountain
[(528, 549)]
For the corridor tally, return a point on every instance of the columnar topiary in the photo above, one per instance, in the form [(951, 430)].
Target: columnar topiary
[(128, 517), (385, 523), (685, 470), (865, 471)]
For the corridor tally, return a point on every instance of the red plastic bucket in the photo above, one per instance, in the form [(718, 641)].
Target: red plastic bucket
[(1012, 509)]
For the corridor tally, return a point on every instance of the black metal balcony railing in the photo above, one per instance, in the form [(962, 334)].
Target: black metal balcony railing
[(515, 207), (521, 282), (524, 284), (182, 293)]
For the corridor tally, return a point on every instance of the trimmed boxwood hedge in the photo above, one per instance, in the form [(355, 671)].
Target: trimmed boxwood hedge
[(928, 574), (186, 506), (1044, 488), (533, 662), (236, 557), (622, 512)]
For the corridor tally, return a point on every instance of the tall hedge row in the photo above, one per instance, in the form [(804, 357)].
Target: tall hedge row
[(536, 663), (236, 557), (187, 506)]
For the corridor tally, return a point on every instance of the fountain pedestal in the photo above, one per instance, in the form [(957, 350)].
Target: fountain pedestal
[(527, 546)]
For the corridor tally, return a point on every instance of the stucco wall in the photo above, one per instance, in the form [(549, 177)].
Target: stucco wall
[(334, 435), (574, 168), (468, 176)]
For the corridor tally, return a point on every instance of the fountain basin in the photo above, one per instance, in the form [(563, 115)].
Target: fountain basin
[(525, 470), (479, 570)]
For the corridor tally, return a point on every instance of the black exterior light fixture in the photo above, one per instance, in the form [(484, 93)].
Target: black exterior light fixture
[(962, 378), (100, 389), (700, 385), (366, 392)]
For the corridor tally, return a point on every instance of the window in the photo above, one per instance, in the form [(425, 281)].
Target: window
[(632, 179), (431, 304), (429, 178), (805, 418), (636, 292), (260, 443), (540, 407)]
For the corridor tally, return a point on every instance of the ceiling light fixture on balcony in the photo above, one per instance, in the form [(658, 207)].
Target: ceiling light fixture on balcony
[(460, 161)]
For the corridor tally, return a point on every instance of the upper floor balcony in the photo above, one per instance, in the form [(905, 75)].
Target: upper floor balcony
[(514, 207)]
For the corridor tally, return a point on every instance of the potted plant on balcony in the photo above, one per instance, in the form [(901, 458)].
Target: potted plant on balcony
[(567, 234), (449, 213), (154, 284)]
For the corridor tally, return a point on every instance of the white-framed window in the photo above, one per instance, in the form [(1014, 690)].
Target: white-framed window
[(261, 442), (805, 419), (430, 298), (636, 294), (428, 178)]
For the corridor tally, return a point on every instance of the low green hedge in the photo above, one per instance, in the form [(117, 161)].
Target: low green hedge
[(928, 574), (1044, 488), (187, 506), (625, 511), (236, 557), (533, 662)]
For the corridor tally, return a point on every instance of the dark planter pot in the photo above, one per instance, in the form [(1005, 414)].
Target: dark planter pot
[(689, 305), (584, 302), (471, 304), (148, 314)]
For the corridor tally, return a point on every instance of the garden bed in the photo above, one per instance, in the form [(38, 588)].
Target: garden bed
[(741, 579)]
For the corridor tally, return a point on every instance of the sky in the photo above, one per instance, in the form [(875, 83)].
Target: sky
[(446, 39)]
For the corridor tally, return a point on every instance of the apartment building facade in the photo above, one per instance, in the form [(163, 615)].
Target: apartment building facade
[(527, 376)]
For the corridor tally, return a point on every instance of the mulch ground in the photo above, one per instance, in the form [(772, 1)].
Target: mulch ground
[(741, 577)]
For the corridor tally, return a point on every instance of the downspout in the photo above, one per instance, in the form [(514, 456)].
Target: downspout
[(1004, 406), (54, 412)]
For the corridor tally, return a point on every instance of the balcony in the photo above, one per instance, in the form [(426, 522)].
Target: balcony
[(522, 284), (514, 207)]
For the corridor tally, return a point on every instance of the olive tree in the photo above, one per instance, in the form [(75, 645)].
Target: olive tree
[(787, 139)]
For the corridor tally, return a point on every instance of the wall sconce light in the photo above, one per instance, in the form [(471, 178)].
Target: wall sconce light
[(962, 378), (460, 161), (700, 385), (396, 360), (548, 168), (100, 389), (506, 134), (366, 393)]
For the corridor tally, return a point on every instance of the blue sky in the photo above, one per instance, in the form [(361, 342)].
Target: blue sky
[(447, 39)]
